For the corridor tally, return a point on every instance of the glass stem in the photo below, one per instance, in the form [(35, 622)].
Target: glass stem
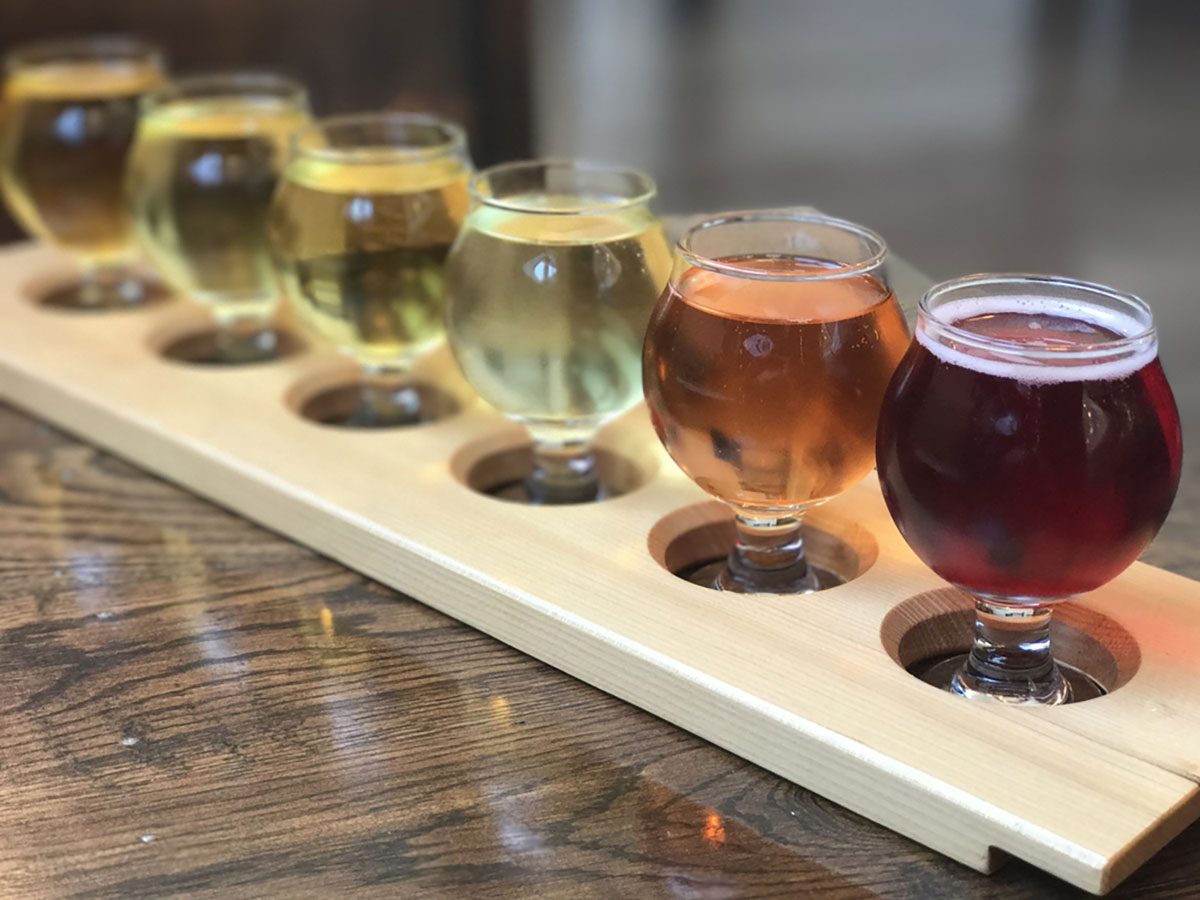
[(1010, 659), (768, 557), (241, 338), (384, 373), (563, 472), (386, 397)]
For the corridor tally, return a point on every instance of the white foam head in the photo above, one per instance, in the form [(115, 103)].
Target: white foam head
[(1030, 366)]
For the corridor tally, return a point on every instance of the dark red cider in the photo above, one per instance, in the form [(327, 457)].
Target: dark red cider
[(1028, 479)]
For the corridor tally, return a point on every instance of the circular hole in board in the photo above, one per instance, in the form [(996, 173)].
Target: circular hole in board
[(694, 536), (358, 403), (191, 338), (335, 391), (202, 348), (497, 466), (929, 628), (63, 292)]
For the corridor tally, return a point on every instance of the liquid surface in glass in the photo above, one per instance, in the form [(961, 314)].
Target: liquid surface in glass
[(361, 239), (201, 180), (1035, 479), (766, 393), (547, 312), (67, 130)]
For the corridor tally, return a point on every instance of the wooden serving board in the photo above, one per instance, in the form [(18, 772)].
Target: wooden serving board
[(812, 688)]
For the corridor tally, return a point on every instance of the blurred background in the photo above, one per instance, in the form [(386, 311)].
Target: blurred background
[(974, 135)]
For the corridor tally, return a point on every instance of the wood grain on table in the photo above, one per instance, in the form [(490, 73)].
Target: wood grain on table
[(194, 705)]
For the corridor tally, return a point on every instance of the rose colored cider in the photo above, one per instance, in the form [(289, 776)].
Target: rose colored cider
[(766, 393), (1029, 479)]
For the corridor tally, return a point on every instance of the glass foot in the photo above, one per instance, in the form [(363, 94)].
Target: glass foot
[(506, 474), (236, 348), (90, 296), (378, 405), (947, 672), (715, 574), (216, 348)]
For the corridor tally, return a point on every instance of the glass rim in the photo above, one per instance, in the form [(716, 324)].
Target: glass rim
[(1134, 306), (647, 193), (456, 137), (235, 82), (95, 47), (873, 262)]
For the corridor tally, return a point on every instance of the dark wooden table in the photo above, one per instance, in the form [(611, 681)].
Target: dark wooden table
[(194, 705)]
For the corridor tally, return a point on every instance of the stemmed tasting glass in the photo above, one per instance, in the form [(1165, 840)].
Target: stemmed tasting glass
[(548, 290), (765, 364), (1029, 449), (208, 155), (70, 111), (361, 227)]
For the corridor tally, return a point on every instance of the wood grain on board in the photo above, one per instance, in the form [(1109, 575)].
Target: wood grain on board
[(806, 690)]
